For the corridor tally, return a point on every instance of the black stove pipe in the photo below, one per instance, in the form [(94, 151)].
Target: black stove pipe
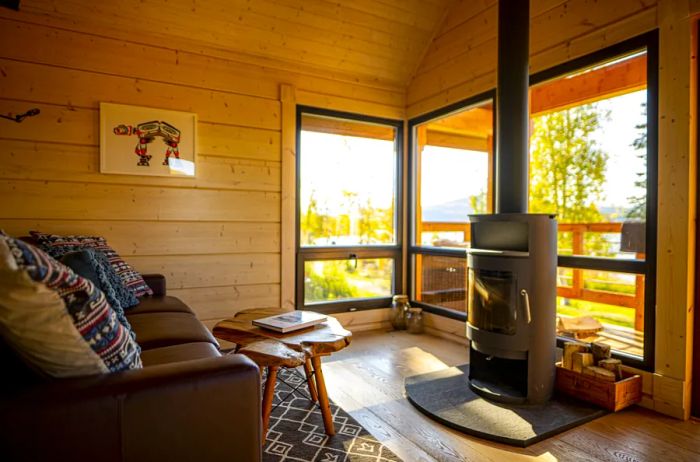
[(512, 124)]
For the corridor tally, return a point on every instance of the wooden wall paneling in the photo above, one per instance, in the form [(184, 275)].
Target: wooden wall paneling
[(209, 26), (56, 124), (90, 201), (79, 126), (446, 328), (93, 52), (163, 237), (633, 25), (457, 40), (576, 18), (462, 11), (218, 238), (225, 301), (340, 103), (80, 89), (693, 7), (465, 66), (218, 270), (261, 36), (72, 49), (289, 197), (366, 28), (676, 230), (76, 163), (239, 142), (438, 87), (671, 396), (461, 91)]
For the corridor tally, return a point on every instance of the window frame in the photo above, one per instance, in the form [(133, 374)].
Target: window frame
[(415, 249), (317, 253), (648, 41), (647, 267)]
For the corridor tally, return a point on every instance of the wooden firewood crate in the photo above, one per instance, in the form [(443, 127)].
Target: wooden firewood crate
[(609, 395)]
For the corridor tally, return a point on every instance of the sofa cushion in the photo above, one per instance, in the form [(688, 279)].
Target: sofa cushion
[(57, 246), (178, 353), (93, 265), (155, 330), (156, 304), (98, 265), (57, 321)]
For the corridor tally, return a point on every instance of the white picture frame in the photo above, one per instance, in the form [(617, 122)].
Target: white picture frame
[(137, 140)]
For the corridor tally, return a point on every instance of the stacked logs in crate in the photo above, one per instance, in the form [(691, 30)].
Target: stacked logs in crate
[(593, 360)]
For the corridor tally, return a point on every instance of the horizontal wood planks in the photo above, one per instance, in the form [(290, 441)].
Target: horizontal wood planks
[(217, 237), (461, 61), (378, 41)]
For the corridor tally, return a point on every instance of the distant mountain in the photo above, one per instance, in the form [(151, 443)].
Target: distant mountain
[(458, 210), (454, 211)]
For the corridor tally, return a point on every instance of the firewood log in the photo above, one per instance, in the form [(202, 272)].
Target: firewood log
[(613, 365), (600, 351), (569, 349), (600, 373), (581, 360)]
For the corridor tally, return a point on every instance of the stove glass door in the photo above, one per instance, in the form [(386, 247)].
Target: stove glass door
[(492, 301)]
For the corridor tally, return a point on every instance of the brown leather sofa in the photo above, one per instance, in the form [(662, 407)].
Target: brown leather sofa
[(188, 403)]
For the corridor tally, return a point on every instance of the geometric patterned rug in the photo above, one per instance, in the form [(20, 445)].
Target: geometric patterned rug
[(296, 430)]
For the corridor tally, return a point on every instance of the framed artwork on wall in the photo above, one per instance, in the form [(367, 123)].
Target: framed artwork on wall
[(145, 141)]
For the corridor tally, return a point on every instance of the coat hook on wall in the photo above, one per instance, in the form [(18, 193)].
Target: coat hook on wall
[(20, 117)]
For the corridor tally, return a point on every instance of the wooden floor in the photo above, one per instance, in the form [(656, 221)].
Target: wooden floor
[(366, 379)]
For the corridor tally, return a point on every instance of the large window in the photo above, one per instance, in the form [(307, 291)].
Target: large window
[(348, 195), (452, 163), (593, 163)]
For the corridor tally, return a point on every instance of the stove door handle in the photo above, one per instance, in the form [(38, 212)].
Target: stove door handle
[(526, 305)]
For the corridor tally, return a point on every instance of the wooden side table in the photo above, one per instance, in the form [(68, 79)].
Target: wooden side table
[(316, 341)]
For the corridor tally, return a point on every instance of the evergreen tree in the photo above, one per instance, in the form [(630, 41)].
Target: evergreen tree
[(639, 203)]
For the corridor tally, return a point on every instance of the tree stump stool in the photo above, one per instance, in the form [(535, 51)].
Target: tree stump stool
[(272, 355)]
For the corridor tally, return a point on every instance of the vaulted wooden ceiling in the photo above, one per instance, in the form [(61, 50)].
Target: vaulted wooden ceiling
[(380, 40)]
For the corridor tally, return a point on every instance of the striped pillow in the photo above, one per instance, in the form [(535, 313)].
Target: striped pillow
[(57, 246), (56, 320)]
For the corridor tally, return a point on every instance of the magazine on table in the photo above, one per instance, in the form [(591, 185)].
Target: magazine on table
[(288, 322)]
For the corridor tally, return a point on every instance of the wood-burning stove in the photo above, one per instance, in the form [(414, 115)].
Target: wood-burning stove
[(512, 306)]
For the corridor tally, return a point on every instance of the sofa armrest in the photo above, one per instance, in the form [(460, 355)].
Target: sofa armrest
[(206, 409), (156, 282)]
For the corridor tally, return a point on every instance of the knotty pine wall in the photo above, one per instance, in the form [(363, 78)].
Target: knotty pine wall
[(218, 237), (461, 62)]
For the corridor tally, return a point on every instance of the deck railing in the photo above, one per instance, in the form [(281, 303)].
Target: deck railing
[(576, 290)]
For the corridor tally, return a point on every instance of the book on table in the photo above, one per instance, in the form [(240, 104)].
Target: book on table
[(288, 322)]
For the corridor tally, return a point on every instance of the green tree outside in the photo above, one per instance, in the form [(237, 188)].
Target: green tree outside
[(567, 170), (639, 203), (331, 284)]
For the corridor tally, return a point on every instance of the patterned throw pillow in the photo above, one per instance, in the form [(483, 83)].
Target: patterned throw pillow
[(56, 320), (57, 246), (93, 265)]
